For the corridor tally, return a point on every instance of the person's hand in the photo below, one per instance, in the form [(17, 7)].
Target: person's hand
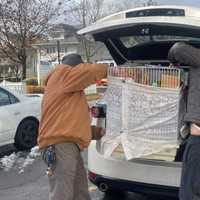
[(102, 132), (171, 65), (98, 133)]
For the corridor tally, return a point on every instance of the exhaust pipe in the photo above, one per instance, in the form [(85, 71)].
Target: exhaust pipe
[(103, 187)]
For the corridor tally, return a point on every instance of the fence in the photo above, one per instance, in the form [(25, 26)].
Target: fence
[(18, 87)]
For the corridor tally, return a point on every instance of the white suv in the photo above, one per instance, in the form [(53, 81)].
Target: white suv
[(142, 36)]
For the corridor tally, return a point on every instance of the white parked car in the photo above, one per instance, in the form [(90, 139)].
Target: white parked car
[(139, 37), (19, 118)]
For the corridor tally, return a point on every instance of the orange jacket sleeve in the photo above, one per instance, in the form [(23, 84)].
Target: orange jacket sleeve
[(48, 77), (83, 75)]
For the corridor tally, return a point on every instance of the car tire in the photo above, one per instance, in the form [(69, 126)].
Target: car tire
[(26, 135)]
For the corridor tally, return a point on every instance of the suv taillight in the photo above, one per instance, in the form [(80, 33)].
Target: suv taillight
[(99, 111)]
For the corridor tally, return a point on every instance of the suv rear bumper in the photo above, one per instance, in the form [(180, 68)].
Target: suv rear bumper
[(108, 184), (149, 172)]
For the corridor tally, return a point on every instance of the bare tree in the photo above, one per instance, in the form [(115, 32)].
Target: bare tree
[(86, 12), (146, 3), (150, 3), (22, 22), (116, 6), (17, 72)]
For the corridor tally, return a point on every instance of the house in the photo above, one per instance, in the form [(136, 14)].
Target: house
[(62, 39), (9, 70), (32, 61)]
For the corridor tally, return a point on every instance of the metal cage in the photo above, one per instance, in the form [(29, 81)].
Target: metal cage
[(157, 76)]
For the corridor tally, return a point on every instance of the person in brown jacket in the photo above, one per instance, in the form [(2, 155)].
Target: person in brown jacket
[(65, 129)]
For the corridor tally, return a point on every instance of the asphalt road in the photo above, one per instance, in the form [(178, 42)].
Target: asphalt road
[(30, 183)]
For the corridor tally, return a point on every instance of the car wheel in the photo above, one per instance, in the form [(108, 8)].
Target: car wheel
[(26, 135)]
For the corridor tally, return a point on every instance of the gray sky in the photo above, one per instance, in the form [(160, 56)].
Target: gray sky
[(180, 2), (107, 9)]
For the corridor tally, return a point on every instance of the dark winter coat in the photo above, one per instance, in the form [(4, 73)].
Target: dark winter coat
[(189, 56)]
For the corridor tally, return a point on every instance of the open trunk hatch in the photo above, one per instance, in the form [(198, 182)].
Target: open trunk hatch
[(132, 36), (145, 42), (144, 90)]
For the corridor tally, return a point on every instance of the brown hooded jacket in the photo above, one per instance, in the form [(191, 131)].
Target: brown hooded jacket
[(65, 116)]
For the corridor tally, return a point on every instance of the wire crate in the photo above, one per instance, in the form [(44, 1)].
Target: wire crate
[(145, 110), (164, 77)]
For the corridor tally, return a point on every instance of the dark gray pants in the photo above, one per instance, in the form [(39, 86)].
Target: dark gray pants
[(190, 180), (69, 179)]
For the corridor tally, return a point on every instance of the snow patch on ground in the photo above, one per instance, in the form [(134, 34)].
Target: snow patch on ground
[(19, 160), (7, 162), (30, 158)]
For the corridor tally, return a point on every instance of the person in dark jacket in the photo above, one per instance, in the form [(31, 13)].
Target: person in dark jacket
[(185, 54)]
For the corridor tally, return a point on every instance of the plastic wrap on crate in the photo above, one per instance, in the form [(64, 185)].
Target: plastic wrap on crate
[(143, 119)]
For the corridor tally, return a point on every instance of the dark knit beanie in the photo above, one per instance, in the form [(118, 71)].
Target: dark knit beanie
[(72, 59)]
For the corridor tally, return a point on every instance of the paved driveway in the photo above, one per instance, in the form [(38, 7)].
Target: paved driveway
[(22, 177)]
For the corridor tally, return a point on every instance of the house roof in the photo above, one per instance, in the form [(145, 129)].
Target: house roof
[(54, 42), (69, 33)]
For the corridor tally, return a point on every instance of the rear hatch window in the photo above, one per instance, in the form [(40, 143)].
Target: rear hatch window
[(145, 42)]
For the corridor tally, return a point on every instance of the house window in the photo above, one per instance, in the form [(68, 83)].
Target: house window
[(51, 50), (62, 50)]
